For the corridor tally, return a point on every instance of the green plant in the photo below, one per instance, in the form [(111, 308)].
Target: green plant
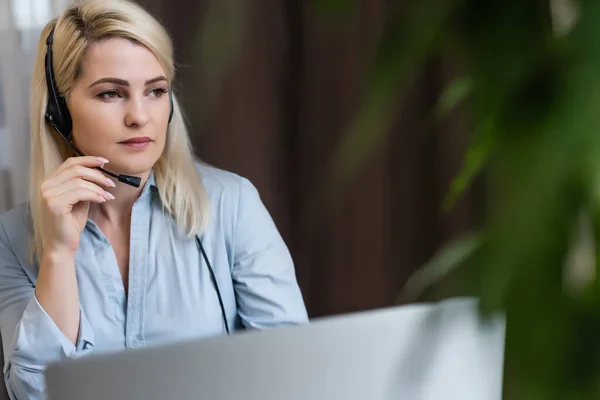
[(532, 87)]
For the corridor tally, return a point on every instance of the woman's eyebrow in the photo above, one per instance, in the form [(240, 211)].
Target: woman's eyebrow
[(122, 82), (154, 80)]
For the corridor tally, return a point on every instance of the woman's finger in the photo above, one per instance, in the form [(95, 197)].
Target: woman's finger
[(86, 161), (78, 171), (64, 202), (75, 184)]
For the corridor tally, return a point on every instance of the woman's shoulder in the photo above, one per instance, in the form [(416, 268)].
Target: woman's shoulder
[(16, 230), (218, 180), (231, 195), (222, 184)]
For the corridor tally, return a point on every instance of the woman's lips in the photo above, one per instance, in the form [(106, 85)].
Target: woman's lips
[(140, 142)]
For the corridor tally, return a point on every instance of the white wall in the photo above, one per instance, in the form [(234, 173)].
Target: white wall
[(20, 25)]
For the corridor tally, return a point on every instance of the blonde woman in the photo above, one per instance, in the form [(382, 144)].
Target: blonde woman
[(126, 240)]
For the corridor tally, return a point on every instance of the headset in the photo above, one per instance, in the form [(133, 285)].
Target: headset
[(58, 116)]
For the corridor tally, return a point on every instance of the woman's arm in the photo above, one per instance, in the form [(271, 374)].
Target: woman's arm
[(31, 338), (57, 291), (264, 277)]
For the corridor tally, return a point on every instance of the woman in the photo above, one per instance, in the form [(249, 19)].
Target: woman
[(94, 264)]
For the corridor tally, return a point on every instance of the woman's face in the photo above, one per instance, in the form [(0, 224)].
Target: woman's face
[(120, 106)]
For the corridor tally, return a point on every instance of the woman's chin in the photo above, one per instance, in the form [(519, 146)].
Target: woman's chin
[(139, 168)]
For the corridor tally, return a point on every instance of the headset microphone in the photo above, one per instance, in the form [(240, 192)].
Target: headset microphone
[(58, 116)]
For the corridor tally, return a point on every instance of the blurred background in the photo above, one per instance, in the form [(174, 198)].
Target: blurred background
[(270, 89), (407, 151)]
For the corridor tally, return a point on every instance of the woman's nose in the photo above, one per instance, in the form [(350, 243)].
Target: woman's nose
[(136, 113)]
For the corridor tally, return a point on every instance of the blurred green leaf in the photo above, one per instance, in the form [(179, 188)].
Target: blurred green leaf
[(456, 92), (219, 42), (475, 159), (408, 40), (447, 259)]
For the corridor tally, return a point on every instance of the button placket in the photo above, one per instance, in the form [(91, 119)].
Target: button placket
[(140, 225)]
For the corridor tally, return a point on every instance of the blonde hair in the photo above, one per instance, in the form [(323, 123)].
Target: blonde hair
[(179, 185)]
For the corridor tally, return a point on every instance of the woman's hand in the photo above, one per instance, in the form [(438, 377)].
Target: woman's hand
[(66, 198)]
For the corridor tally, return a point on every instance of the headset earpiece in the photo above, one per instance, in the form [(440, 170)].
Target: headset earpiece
[(171, 103), (57, 113)]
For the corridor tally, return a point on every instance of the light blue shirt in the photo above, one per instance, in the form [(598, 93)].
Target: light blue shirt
[(170, 293)]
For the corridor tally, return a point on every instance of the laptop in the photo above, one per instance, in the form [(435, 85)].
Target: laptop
[(425, 351)]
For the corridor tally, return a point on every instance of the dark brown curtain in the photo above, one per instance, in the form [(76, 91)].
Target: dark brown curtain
[(277, 118)]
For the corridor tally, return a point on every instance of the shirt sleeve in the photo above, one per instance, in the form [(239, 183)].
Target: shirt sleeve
[(30, 338), (264, 276)]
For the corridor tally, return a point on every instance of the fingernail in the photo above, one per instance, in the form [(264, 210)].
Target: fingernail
[(110, 182), (102, 160), (109, 195)]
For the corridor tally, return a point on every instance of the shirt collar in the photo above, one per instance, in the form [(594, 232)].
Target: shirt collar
[(150, 186)]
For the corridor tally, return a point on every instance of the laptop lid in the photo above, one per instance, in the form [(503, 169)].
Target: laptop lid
[(427, 351)]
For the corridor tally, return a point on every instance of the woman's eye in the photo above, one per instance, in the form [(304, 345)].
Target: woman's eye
[(158, 92), (109, 95)]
